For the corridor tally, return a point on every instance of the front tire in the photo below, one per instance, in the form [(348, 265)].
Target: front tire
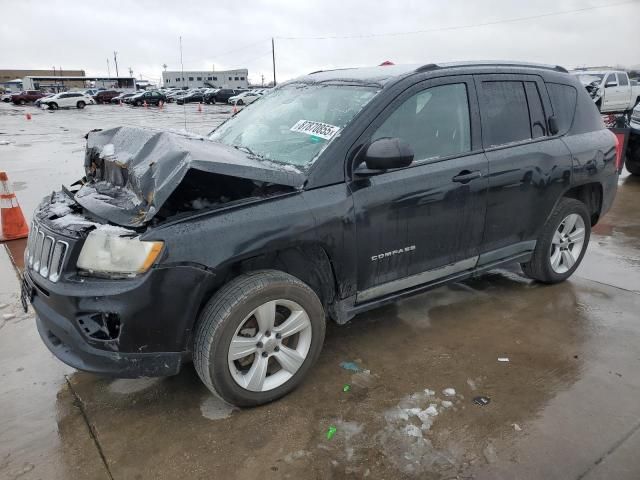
[(53, 106), (257, 337), (80, 105), (562, 243)]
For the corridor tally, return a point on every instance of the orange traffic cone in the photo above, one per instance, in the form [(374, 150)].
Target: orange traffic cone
[(28, 115), (200, 107), (145, 104), (14, 225)]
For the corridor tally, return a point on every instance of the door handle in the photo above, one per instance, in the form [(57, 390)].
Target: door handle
[(466, 176)]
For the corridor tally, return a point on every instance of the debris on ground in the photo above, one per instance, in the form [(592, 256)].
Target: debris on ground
[(503, 359), (490, 454), (351, 366), (362, 379), (447, 404), (472, 384), (449, 392), (3, 305), (516, 427), (482, 401), (346, 387), (331, 432), (8, 316)]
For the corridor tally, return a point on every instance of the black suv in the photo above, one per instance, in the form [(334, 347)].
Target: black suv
[(336, 193), (222, 95), (152, 97)]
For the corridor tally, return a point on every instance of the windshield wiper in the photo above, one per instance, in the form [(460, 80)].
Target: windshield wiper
[(247, 150)]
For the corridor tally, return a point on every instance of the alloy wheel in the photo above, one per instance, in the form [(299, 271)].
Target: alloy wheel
[(567, 243), (270, 345)]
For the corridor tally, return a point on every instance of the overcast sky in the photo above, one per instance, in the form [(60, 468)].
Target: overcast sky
[(82, 34)]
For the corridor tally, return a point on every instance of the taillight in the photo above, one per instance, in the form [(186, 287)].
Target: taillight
[(619, 145)]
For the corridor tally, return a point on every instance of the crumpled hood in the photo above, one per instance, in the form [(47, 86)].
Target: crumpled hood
[(132, 171)]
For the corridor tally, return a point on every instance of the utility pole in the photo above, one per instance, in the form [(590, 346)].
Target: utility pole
[(108, 69), (273, 56), (115, 60), (130, 72), (262, 79)]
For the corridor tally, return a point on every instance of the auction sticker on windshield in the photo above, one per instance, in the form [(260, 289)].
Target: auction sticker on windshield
[(317, 129)]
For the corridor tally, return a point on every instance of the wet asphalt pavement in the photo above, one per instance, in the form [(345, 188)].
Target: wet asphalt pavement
[(566, 404)]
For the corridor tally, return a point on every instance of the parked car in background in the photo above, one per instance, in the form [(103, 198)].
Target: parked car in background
[(173, 96), (632, 161), (440, 172), (27, 96), (244, 98), (105, 96), (6, 97), (209, 96), (122, 97), (611, 91), (68, 100), (151, 97), (38, 102), (194, 96), (224, 94)]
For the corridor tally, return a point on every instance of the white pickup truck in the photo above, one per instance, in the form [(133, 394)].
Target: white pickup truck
[(611, 90)]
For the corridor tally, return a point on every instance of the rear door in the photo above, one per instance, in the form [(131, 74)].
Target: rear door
[(529, 169), (423, 222)]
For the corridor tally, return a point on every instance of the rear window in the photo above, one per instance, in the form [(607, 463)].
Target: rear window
[(563, 101)]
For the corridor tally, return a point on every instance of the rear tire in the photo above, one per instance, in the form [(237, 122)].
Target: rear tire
[(53, 106), (232, 314), (556, 256), (80, 105), (632, 161)]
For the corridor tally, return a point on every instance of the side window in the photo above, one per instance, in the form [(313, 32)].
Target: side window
[(536, 111), (623, 80), (563, 101), (435, 122), (611, 80), (505, 114)]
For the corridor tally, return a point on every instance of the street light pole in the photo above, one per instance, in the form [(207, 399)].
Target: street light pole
[(115, 60), (273, 57)]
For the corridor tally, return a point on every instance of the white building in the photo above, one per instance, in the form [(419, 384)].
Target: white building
[(224, 79)]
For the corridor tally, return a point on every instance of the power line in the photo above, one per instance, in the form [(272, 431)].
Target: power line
[(457, 27), (264, 40)]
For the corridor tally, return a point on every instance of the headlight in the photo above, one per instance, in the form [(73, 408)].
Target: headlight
[(107, 252)]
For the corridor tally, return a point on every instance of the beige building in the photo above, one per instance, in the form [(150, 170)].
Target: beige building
[(8, 75)]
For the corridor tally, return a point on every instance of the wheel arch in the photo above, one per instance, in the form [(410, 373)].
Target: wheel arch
[(591, 194)]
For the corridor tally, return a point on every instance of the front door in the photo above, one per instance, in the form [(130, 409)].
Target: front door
[(423, 222)]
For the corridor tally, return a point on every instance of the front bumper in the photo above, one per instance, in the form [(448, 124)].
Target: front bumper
[(156, 314)]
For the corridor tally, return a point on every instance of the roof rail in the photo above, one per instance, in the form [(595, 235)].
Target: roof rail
[(427, 67), (490, 63)]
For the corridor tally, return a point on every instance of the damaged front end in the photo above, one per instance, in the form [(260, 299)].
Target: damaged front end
[(136, 174)]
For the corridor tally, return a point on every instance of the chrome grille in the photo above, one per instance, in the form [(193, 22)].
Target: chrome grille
[(45, 255)]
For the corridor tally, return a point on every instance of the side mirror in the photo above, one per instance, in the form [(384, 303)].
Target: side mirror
[(553, 125), (610, 84), (385, 154)]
